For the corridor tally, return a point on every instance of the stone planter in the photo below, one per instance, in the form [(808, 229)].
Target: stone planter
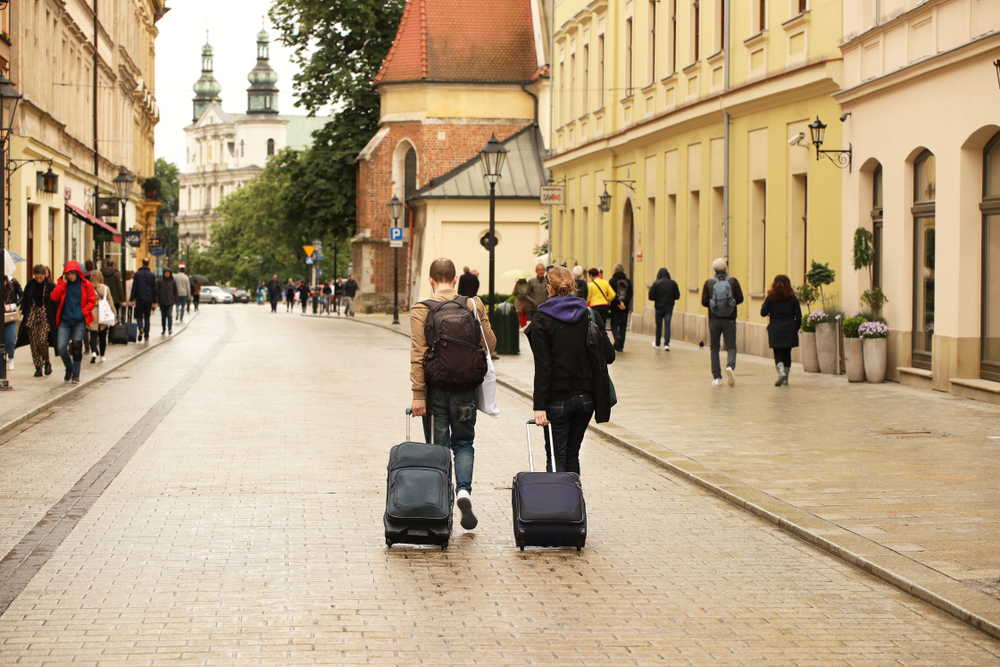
[(827, 348), (854, 359), (875, 359), (810, 362)]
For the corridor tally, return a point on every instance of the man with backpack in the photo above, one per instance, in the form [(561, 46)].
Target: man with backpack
[(445, 376), (721, 295), (620, 306)]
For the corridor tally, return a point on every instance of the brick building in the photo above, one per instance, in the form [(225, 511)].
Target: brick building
[(457, 73)]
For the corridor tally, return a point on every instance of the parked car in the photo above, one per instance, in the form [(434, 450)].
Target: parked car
[(239, 295), (215, 294)]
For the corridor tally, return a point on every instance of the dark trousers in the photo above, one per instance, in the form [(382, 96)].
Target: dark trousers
[(143, 309), (569, 418), (783, 355), (274, 303), (604, 311), (98, 341), (663, 318), (725, 329), (619, 325)]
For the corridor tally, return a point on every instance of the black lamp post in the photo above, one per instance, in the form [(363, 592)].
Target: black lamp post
[(996, 63), (491, 159), (817, 132), (395, 211), (123, 185), (9, 97), (168, 223)]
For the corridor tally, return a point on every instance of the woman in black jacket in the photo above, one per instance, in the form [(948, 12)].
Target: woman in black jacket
[(565, 383), (166, 299), (14, 293), (783, 331), (38, 319)]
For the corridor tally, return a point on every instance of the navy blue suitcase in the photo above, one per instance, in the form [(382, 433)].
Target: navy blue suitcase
[(549, 510)]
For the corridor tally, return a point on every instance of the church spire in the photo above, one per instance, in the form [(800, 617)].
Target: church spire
[(262, 95), (207, 89)]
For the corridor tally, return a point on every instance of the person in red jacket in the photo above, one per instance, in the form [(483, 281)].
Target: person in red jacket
[(76, 299)]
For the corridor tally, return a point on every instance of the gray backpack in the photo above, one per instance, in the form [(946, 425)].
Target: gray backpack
[(722, 303)]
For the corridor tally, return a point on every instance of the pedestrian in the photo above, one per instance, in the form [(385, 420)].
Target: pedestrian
[(14, 293), (452, 412), (183, 292), (621, 306), (327, 296), (38, 315), (538, 290), (97, 332), (195, 294), (338, 294), (290, 291), (143, 296), (350, 291), (166, 298), (88, 274), (599, 294), (113, 279), (581, 284), (782, 306), (304, 294), (721, 295), (468, 284), (664, 293), (521, 303), (75, 298), (274, 292), (128, 289), (565, 375)]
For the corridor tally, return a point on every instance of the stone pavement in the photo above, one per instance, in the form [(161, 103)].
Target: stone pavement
[(898, 481), (233, 517)]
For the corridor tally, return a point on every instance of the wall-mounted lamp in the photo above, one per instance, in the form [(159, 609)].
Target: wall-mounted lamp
[(606, 197), (842, 159)]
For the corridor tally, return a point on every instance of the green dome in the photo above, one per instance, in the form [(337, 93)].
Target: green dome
[(262, 36), (263, 75), (207, 86)]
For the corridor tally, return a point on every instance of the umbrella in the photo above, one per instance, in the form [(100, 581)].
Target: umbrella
[(198, 278), (516, 274), (10, 260)]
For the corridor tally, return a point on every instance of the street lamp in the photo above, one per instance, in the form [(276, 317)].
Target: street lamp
[(395, 211), (817, 132), (491, 159), (168, 222), (996, 63), (123, 186), (9, 97), (605, 200)]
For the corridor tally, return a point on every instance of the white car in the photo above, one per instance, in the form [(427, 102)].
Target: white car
[(214, 294)]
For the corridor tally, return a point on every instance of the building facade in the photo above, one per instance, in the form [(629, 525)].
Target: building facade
[(690, 118), (88, 110), (225, 150), (924, 164)]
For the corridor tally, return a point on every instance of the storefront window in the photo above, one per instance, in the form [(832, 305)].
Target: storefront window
[(923, 260), (989, 369)]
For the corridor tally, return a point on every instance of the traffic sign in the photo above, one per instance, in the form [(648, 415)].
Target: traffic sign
[(395, 237), (552, 195), (319, 272), (308, 250), (309, 260)]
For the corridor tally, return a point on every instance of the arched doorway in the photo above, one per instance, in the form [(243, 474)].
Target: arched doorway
[(628, 239)]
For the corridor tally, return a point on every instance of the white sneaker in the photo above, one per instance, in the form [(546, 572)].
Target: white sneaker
[(656, 345), (469, 520), (717, 382), (103, 360), (730, 377), (10, 365), (666, 348)]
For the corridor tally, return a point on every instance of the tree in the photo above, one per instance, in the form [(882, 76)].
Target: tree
[(166, 173), (864, 258), (820, 275)]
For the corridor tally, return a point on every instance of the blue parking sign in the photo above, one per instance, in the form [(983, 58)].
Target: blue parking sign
[(395, 233)]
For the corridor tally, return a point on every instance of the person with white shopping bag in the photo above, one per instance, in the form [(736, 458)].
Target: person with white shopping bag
[(104, 318)]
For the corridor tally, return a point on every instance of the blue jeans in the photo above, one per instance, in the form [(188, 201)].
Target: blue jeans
[(663, 318), (66, 333), (11, 341), (454, 415), (569, 418), (181, 304)]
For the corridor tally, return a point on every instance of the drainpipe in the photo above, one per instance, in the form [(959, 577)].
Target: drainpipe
[(726, 138), (524, 87)]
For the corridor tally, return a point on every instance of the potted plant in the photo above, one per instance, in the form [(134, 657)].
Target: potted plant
[(854, 348), (864, 258), (874, 336), (151, 188), (827, 337), (807, 341)]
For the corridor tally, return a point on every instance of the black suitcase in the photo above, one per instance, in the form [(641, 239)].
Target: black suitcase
[(419, 493), (118, 334), (549, 510)]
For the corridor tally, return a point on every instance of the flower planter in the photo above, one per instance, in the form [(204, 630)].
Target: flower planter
[(875, 359), (854, 359), (827, 348), (807, 341)]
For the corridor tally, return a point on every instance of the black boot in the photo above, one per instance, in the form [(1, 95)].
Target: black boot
[(38, 371), (48, 368)]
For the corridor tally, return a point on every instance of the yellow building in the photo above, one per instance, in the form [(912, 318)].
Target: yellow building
[(695, 122)]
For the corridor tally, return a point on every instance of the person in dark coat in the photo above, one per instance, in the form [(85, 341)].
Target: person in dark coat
[(166, 299), (304, 294), (582, 288), (468, 284), (290, 290), (14, 293), (621, 306), (664, 292), (38, 320), (143, 296), (783, 331), (274, 292)]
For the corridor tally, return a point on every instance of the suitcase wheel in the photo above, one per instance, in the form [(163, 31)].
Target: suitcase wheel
[(522, 548), (444, 545), (388, 542), (578, 549)]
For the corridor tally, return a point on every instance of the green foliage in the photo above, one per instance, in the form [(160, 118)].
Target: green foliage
[(169, 193), (875, 298), (820, 275), (807, 326), (806, 294), (851, 325), (863, 253)]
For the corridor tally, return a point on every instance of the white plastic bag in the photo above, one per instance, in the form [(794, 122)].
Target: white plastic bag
[(105, 313), (486, 393)]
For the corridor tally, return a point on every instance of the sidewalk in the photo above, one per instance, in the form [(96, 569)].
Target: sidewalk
[(30, 396), (896, 481)]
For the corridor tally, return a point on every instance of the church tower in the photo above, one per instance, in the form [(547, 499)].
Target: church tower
[(262, 95), (207, 89)]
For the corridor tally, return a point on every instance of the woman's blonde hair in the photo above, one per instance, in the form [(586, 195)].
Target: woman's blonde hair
[(97, 278), (561, 281)]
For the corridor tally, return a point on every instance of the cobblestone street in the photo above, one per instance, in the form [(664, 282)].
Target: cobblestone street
[(219, 501)]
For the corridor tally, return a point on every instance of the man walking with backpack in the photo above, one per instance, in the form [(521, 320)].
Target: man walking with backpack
[(721, 295), (445, 377), (620, 306)]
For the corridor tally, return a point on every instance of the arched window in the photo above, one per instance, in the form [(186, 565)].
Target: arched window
[(989, 368), (270, 147), (924, 191)]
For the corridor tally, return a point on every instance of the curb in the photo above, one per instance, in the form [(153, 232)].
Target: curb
[(898, 570), (52, 402)]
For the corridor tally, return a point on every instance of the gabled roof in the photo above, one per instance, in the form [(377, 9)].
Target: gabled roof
[(479, 41), (521, 177)]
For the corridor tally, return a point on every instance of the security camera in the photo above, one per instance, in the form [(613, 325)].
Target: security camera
[(796, 140), (844, 116)]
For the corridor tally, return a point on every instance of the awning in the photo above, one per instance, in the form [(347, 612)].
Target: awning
[(96, 222)]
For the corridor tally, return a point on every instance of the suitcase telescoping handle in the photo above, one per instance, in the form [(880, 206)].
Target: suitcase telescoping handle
[(409, 418), (527, 429)]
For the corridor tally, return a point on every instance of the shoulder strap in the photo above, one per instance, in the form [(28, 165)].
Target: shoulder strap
[(601, 291)]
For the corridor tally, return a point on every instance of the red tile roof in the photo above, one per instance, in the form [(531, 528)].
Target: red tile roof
[(462, 40)]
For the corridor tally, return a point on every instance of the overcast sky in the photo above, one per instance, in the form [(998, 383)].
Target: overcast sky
[(233, 26)]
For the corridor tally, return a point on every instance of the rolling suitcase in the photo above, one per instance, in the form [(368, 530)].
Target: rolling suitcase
[(419, 493), (549, 510), (119, 333)]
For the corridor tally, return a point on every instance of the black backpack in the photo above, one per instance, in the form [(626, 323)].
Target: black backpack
[(454, 361)]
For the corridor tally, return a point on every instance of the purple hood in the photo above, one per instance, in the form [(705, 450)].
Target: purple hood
[(567, 309)]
